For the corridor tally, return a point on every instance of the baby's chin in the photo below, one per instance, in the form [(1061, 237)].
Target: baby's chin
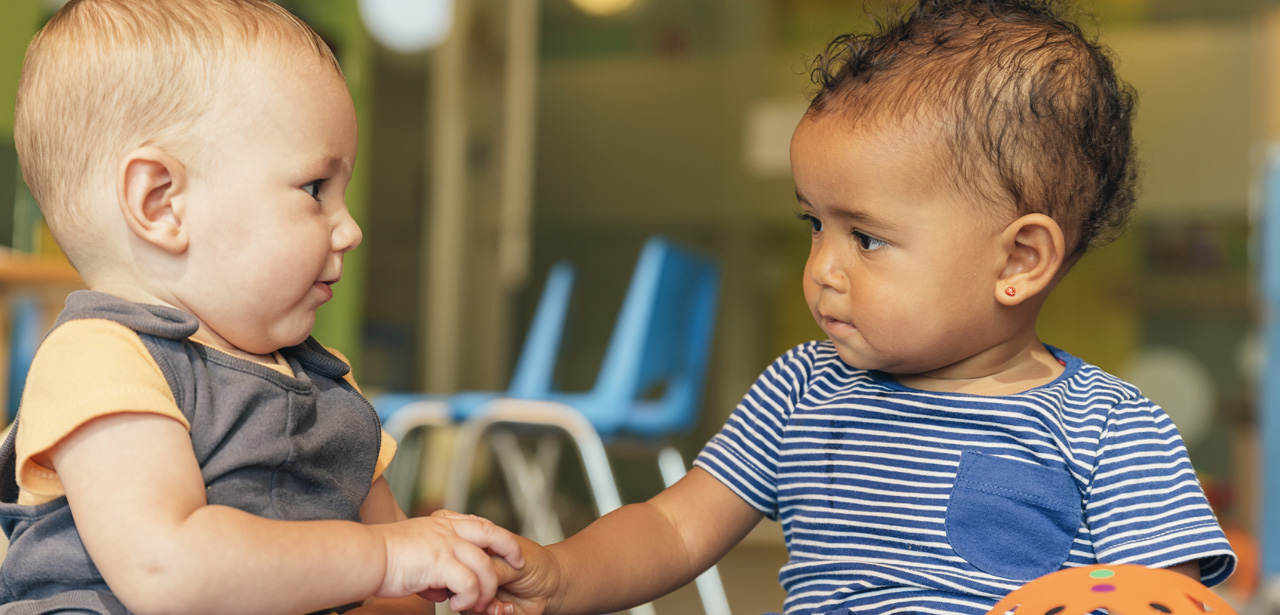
[(869, 362)]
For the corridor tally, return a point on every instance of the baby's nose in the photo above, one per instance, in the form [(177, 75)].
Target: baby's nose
[(347, 234)]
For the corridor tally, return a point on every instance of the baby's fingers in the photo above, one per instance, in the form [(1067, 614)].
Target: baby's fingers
[(506, 572), (464, 588), (486, 535), (435, 595), (497, 607), (480, 566)]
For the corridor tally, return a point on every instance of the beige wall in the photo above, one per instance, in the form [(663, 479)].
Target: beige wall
[(635, 145)]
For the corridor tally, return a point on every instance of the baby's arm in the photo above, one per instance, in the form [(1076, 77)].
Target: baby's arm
[(139, 502), (634, 554), (1188, 569)]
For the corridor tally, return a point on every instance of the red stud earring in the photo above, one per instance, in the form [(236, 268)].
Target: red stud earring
[(1011, 291)]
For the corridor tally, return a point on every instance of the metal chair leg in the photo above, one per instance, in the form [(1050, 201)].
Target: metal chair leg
[(591, 451), (405, 473), (529, 487), (710, 588), (550, 414), (402, 474)]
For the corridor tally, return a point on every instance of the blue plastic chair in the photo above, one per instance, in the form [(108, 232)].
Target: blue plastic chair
[(661, 342), (26, 331), (404, 413)]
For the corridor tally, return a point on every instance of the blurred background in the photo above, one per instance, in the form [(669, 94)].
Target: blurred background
[(500, 136)]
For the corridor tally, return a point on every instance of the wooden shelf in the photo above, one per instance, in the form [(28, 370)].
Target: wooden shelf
[(20, 269), (47, 279)]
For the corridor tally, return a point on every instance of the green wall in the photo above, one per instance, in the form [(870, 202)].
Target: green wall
[(21, 19)]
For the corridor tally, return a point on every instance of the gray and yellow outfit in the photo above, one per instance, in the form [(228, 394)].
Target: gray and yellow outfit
[(294, 442)]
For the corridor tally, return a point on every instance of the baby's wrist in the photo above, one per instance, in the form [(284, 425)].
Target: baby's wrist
[(554, 581), (381, 542)]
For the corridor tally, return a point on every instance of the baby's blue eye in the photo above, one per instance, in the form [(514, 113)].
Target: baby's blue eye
[(313, 188), (815, 223), (868, 242)]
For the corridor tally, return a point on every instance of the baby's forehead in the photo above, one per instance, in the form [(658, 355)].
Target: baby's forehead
[(927, 128), (927, 136)]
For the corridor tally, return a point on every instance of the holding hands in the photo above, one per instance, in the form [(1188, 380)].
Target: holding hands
[(526, 590), (449, 556)]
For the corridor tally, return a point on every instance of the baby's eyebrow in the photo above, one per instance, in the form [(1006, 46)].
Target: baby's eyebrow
[(331, 164), (863, 219), (857, 217)]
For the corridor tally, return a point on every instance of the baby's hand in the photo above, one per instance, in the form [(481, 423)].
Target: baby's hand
[(527, 590), (446, 554)]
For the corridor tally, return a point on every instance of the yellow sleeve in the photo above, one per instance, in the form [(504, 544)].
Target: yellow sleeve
[(84, 370), (385, 453), (387, 450)]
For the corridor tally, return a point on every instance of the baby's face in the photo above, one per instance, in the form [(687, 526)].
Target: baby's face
[(267, 216), (902, 266)]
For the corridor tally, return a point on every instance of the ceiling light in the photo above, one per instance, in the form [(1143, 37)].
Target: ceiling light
[(602, 8), (407, 26)]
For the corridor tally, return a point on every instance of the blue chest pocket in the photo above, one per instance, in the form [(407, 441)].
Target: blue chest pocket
[(1010, 518)]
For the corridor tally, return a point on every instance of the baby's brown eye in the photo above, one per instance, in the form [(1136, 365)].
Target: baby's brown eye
[(814, 223), (868, 242)]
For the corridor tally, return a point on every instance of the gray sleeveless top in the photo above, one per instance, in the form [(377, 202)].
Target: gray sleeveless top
[(290, 448)]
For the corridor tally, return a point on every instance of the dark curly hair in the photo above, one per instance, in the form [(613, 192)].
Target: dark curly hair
[(1030, 108)]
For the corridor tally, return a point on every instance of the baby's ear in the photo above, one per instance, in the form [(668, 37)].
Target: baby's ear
[(1034, 250), (151, 190)]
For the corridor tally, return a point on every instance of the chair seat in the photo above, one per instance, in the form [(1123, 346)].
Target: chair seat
[(641, 419), (460, 405)]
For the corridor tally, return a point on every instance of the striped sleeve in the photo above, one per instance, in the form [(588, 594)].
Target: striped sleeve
[(744, 454), (1145, 504)]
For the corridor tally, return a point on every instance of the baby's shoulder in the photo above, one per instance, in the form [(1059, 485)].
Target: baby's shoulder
[(1096, 384)]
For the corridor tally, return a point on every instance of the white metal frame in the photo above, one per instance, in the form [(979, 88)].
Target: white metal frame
[(529, 476)]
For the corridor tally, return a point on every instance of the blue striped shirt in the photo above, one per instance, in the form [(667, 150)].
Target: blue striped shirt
[(896, 500)]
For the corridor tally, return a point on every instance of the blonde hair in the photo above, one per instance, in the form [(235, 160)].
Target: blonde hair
[(104, 77)]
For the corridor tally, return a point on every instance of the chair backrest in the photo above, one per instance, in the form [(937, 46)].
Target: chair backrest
[(651, 379), (25, 333), (535, 367)]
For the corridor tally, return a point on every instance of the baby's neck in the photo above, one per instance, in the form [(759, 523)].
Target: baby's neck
[(1023, 371), (138, 294), (203, 336)]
